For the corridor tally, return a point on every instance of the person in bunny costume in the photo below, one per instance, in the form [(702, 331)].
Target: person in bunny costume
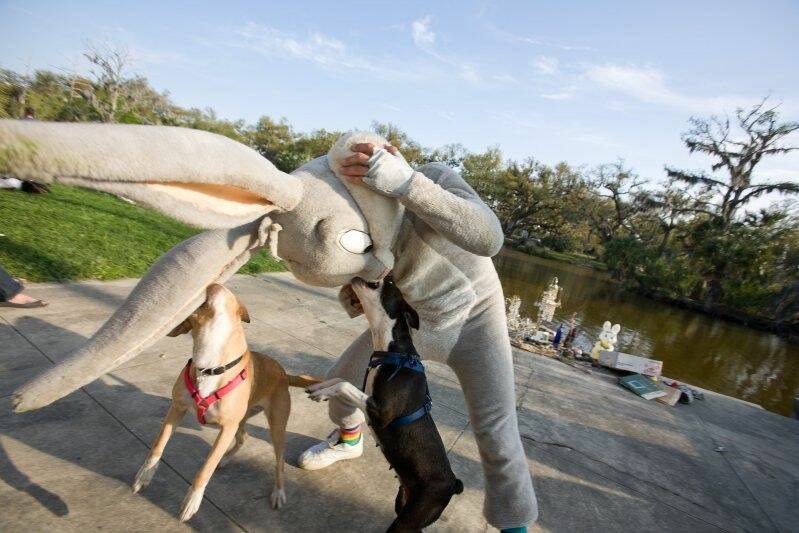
[(360, 211)]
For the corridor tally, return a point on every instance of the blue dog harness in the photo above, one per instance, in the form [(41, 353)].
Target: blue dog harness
[(401, 360)]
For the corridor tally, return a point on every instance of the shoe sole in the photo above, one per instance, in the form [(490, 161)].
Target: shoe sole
[(320, 467)]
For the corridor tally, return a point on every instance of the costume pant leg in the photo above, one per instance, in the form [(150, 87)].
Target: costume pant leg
[(351, 366), (9, 287), (483, 362)]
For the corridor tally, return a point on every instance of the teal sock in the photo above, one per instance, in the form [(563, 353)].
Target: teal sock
[(520, 529)]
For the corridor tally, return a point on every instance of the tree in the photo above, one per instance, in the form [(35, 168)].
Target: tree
[(451, 155), (13, 89), (762, 135), (411, 150), (106, 93), (482, 171), (668, 208), (718, 242), (620, 188), (275, 141)]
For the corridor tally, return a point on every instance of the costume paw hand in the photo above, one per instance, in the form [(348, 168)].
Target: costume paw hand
[(388, 174), (383, 170)]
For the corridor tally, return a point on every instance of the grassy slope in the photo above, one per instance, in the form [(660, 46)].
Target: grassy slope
[(73, 234), (573, 258)]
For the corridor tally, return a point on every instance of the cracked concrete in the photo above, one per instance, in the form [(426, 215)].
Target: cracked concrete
[(603, 459)]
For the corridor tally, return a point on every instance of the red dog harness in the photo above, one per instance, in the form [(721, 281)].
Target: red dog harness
[(204, 403)]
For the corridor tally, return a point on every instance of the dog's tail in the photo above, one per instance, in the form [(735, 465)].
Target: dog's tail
[(302, 380), (458, 487)]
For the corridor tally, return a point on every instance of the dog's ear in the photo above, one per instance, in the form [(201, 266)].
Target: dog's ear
[(180, 329), (411, 316), (243, 313)]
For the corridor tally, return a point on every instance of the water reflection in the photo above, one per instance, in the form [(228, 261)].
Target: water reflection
[(723, 356)]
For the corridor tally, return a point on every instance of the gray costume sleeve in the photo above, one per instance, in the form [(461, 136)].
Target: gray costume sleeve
[(442, 198)]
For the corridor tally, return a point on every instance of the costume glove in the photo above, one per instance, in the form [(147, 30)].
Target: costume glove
[(388, 174)]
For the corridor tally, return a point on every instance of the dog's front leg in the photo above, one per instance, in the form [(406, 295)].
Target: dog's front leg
[(337, 388), (195, 495), (147, 470)]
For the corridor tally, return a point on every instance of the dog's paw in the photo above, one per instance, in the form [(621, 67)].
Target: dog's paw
[(191, 503), (322, 395), (145, 475), (278, 498), (323, 385)]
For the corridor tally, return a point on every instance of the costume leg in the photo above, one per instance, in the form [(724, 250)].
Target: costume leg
[(483, 362), (346, 441), (351, 366)]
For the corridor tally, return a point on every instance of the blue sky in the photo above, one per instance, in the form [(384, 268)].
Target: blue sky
[(582, 82)]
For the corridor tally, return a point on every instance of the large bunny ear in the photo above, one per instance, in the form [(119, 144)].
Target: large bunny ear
[(166, 295), (200, 178)]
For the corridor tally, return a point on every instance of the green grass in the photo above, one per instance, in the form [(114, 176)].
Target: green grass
[(573, 258), (73, 234)]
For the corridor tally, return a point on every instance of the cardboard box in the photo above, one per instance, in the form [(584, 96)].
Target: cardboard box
[(630, 363)]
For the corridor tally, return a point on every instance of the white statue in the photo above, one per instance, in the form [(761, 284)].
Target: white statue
[(608, 338), (518, 327), (550, 300)]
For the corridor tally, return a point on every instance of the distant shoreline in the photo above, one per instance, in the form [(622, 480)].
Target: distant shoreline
[(787, 331)]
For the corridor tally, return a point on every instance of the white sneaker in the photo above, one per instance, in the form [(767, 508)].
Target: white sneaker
[(328, 452)]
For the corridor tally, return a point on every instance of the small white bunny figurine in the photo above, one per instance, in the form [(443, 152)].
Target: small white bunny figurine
[(608, 338)]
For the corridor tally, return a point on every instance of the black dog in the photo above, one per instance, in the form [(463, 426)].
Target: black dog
[(397, 403)]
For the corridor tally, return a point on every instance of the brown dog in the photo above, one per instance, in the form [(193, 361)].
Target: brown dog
[(225, 384)]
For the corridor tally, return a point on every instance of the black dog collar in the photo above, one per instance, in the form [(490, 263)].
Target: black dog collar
[(217, 370)]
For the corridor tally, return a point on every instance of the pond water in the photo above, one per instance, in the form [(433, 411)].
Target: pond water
[(711, 353)]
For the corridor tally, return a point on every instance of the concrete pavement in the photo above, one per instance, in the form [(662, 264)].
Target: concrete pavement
[(603, 459)]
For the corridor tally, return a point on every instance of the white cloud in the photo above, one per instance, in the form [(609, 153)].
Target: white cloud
[(546, 65), (780, 174), (650, 85), (446, 116), (505, 78), (321, 50), (564, 95), (548, 44), (518, 119), (317, 48), (469, 73), (535, 41), (156, 57), (423, 36), (330, 53)]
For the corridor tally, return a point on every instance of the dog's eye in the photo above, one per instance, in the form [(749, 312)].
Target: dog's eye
[(355, 242)]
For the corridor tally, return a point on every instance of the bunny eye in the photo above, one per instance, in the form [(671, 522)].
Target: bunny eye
[(356, 242)]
